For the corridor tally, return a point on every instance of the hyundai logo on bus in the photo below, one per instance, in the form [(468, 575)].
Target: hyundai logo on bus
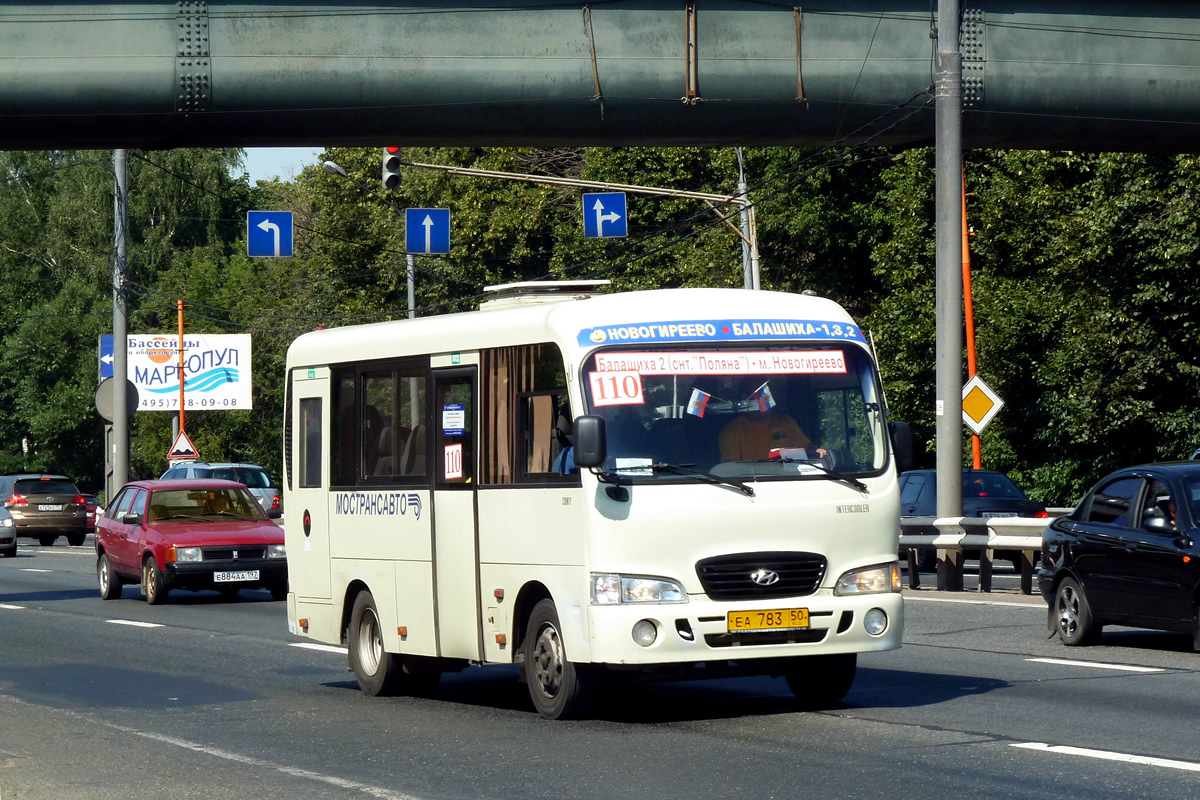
[(377, 504), (764, 577)]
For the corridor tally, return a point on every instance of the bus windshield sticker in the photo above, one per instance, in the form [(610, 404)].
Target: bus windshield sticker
[(719, 330), (454, 419), (616, 388), (454, 462), (634, 466), (795, 362)]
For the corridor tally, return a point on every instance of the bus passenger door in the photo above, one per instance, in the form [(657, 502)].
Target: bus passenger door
[(306, 510), (455, 533)]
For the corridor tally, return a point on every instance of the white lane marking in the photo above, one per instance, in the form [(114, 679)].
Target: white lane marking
[(1040, 607), (1096, 664), (31, 569), (134, 623), (10, 608), (327, 648), (1189, 766), (295, 772)]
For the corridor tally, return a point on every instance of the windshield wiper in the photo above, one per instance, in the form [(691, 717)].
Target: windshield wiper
[(837, 476), (717, 479), (233, 514), (183, 516)]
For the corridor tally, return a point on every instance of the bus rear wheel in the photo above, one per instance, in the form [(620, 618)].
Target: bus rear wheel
[(822, 681), (380, 673), (559, 689)]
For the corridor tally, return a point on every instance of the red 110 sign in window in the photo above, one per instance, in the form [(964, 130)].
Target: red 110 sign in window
[(616, 388)]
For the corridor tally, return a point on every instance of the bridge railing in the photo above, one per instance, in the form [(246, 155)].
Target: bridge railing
[(952, 536)]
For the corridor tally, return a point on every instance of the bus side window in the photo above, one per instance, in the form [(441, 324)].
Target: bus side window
[(310, 442), (523, 390)]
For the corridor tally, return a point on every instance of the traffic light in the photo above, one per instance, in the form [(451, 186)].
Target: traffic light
[(391, 167)]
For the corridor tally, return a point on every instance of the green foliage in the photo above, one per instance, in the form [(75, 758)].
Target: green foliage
[(1085, 287)]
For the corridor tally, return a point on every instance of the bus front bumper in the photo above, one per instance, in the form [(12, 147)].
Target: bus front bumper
[(701, 629)]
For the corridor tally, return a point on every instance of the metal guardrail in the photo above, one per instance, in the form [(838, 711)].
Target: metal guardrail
[(951, 536)]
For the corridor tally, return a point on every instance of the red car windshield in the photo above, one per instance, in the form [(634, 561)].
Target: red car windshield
[(207, 503)]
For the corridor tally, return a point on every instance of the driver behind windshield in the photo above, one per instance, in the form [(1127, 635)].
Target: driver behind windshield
[(761, 427)]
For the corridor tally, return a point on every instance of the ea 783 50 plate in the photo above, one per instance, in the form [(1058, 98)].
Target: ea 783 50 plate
[(767, 619)]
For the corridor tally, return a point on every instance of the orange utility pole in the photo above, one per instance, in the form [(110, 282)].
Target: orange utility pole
[(969, 314), (179, 305)]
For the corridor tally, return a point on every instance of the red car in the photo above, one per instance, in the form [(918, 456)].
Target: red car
[(93, 505), (188, 534)]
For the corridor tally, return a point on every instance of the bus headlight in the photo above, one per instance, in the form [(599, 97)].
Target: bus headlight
[(276, 551), (872, 580), (611, 589)]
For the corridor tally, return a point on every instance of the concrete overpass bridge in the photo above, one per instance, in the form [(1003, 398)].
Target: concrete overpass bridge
[(1058, 74)]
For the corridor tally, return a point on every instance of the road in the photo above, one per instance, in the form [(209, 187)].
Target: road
[(217, 700)]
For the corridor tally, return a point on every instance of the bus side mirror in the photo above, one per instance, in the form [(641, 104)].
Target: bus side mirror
[(590, 448), (901, 445)]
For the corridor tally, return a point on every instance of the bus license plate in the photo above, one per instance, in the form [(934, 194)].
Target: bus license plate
[(230, 577), (769, 619)]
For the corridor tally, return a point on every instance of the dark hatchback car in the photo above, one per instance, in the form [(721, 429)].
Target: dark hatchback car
[(1127, 555), (985, 494), (188, 534)]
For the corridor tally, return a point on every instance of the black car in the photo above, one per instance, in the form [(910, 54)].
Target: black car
[(985, 493), (1127, 555)]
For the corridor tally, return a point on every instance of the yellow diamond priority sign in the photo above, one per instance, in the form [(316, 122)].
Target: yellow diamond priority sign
[(980, 404)]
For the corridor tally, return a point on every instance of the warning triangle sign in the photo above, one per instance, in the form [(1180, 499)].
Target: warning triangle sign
[(183, 448)]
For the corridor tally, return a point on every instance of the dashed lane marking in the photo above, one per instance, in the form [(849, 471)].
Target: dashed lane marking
[(135, 623), (1106, 755), (1095, 665), (31, 569), (296, 772), (325, 648), (10, 608)]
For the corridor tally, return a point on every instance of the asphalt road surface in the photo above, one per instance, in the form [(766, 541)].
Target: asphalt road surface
[(203, 698)]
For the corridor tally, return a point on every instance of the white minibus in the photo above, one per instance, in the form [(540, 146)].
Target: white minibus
[(599, 488)]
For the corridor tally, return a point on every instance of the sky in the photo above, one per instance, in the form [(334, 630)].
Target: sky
[(265, 163)]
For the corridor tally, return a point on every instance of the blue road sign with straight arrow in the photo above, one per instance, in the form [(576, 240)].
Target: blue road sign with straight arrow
[(268, 234), (604, 215), (427, 230)]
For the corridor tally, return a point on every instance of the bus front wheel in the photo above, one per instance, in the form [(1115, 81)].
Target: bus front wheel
[(822, 681), (559, 689)]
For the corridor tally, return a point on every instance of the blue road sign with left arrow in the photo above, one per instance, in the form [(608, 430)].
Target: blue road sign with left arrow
[(106, 356), (268, 234), (427, 230), (604, 215)]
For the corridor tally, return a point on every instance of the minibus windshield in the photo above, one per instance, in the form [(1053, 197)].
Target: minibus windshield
[(799, 411)]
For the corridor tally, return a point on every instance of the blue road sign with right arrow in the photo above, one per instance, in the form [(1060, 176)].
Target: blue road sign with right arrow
[(604, 215), (268, 234), (427, 230)]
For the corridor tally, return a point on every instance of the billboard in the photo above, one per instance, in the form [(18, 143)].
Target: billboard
[(216, 371)]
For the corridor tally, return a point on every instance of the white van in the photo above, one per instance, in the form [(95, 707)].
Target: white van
[(677, 483)]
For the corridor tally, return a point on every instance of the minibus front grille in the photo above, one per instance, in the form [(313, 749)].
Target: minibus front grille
[(761, 576)]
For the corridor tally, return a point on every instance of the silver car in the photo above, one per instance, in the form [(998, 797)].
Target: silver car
[(252, 476), (8, 534)]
